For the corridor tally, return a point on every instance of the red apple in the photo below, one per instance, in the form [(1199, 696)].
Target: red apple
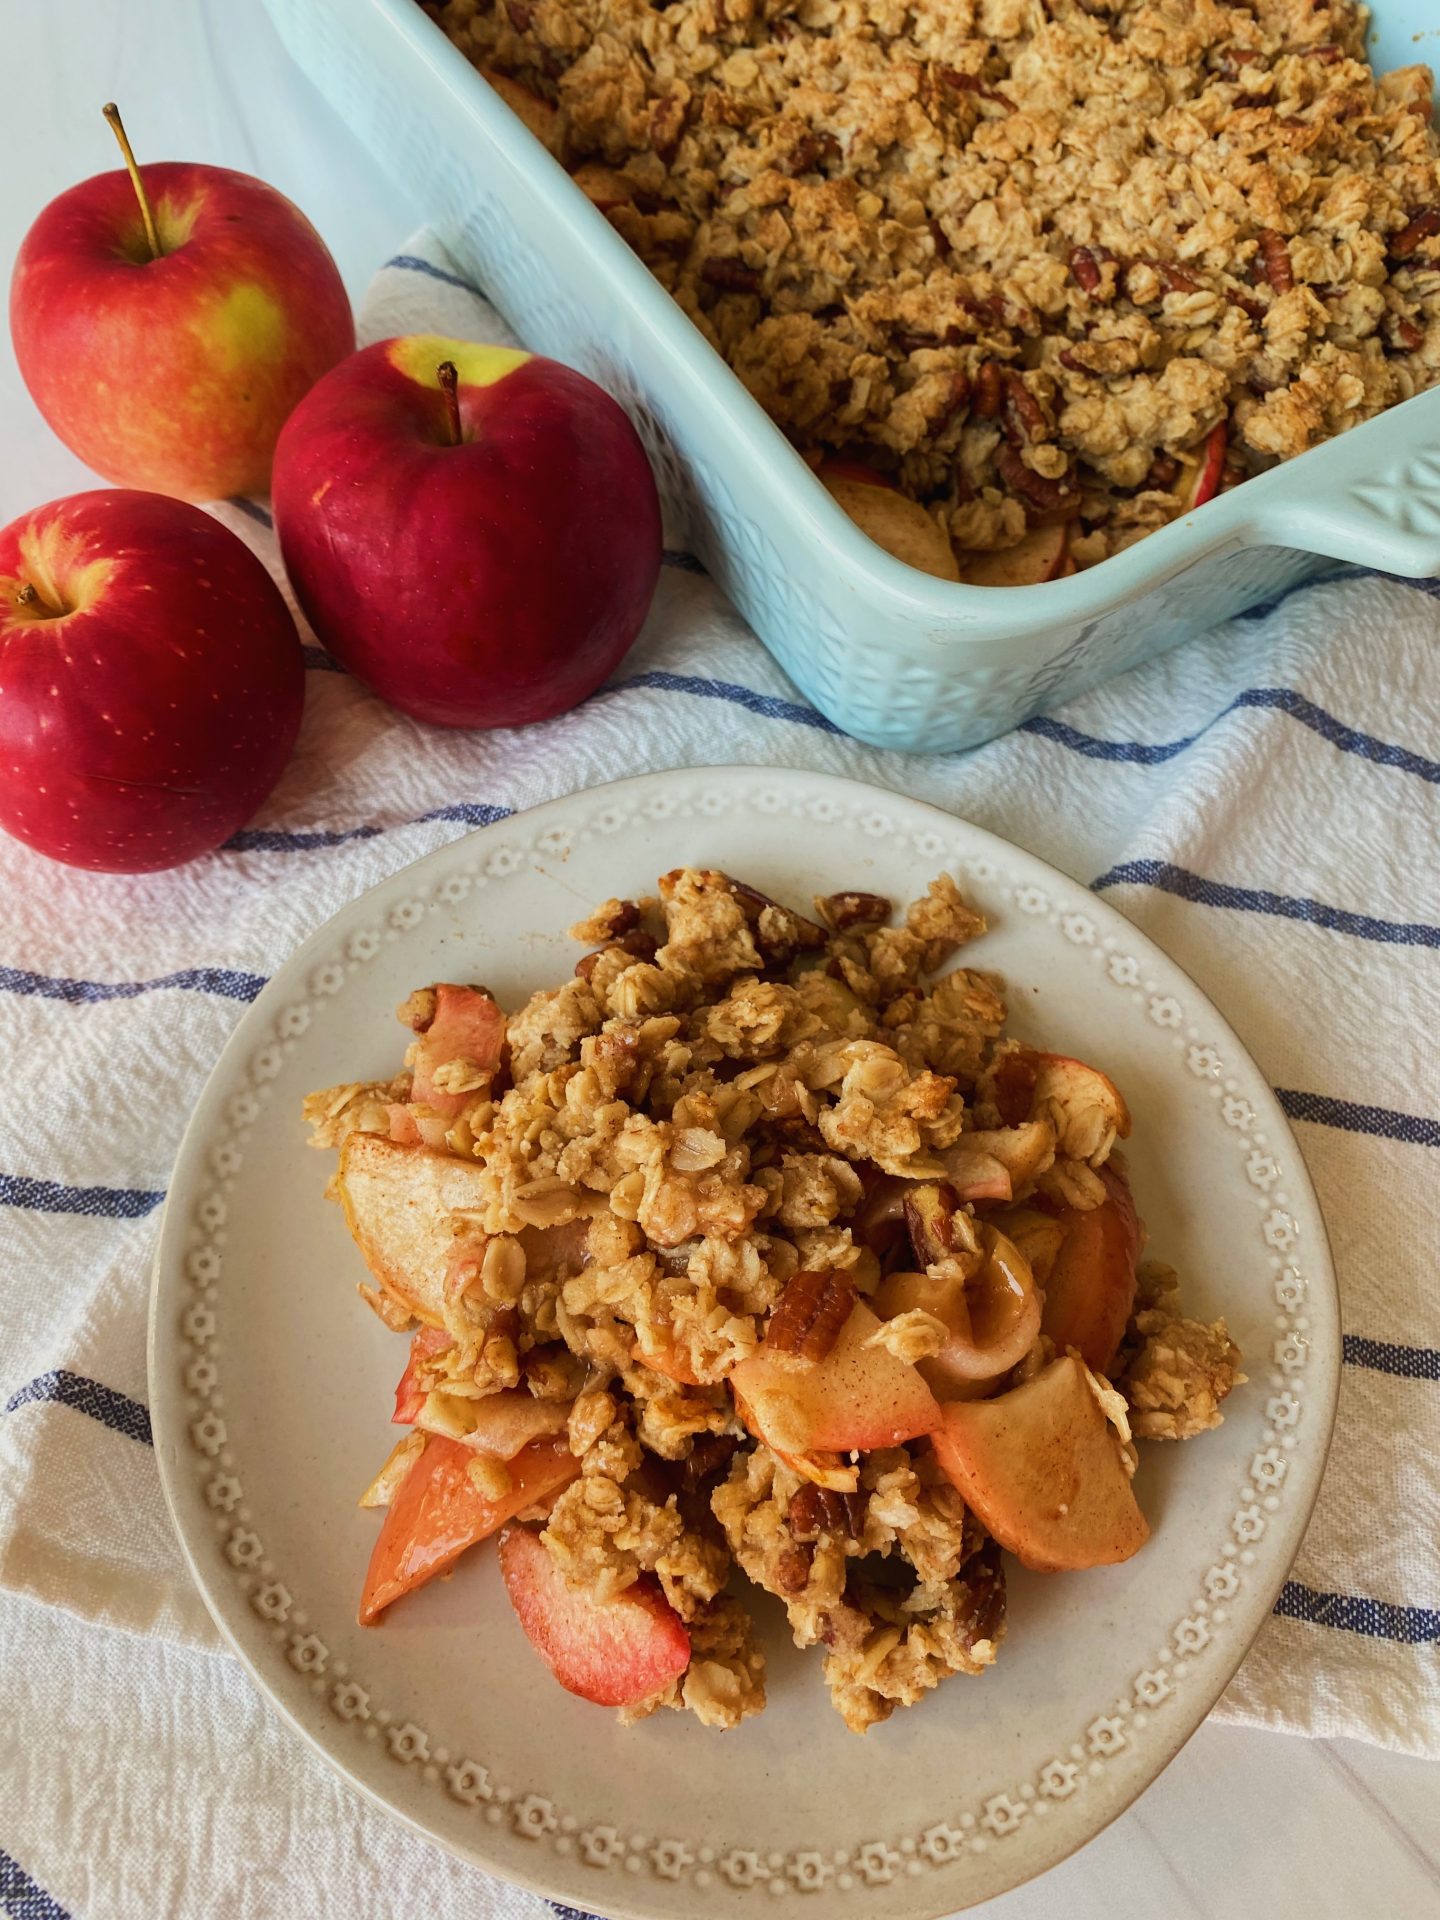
[(1041, 1468), (171, 362), (480, 558), (151, 681)]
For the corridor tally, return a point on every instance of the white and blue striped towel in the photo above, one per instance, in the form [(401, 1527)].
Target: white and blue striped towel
[(1265, 803)]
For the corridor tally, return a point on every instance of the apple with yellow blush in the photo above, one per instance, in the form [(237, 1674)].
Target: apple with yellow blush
[(166, 323)]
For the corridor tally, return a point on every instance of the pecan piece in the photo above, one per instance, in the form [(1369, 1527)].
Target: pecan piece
[(730, 274), (1022, 418), (808, 1316), (930, 1221), (1407, 335), (812, 152), (972, 83), (1015, 1077), (841, 911), (792, 1570), (520, 15), (780, 932), (710, 1452), (1176, 279), (1038, 493), (1163, 473), (815, 1510), (1273, 257), (989, 390), (1424, 226), (1084, 269)]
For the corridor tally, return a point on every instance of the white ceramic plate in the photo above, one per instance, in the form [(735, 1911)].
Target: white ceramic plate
[(271, 1386)]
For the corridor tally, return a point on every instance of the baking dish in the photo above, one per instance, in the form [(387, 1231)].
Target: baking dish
[(891, 655)]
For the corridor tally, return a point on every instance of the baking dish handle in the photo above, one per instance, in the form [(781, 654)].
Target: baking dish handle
[(1389, 522)]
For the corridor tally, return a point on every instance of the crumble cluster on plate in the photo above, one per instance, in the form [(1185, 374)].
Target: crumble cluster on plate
[(757, 1244), (1041, 261)]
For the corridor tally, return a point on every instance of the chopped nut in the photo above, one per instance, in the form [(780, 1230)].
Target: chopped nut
[(844, 911), (809, 1315)]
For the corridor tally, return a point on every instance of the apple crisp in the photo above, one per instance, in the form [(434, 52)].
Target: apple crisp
[(1045, 265), (758, 1247)]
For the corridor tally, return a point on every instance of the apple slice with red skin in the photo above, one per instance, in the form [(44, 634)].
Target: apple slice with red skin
[(1039, 556), (468, 1025), (616, 1654), (409, 1394), (398, 1201), (1090, 1289), (1205, 482), (856, 1398), (439, 1511), (898, 524), (1042, 1470)]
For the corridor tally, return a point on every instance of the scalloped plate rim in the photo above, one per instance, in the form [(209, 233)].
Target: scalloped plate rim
[(573, 1882)]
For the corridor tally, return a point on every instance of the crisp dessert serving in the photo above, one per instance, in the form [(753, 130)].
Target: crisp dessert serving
[(1026, 279), (758, 1244)]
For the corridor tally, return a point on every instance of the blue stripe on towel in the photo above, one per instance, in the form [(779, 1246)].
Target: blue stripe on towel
[(104, 1203), (112, 1409), (475, 813), (1351, 1117), (1382, 1356), (1216, 893), (23, 1898), (1347, 739), (1353, 1613), (412, 263), (224, 981), (570, 1913), (251, 509), (769, 705)]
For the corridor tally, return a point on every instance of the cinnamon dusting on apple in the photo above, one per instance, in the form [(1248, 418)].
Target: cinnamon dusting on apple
[(117, 127)]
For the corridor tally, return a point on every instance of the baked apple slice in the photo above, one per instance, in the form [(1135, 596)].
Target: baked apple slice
[(1090, 1287), (1042, 1469), (468, 1027), (1039, 556), (409, 1394), (898, 524), (1084, 1106), (1204, 483), (398, 1202), (439, 1511), (616, 1654), (989, 1305), (857, 1397)]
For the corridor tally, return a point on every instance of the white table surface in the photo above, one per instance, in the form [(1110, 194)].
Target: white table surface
[(1243, 1823)]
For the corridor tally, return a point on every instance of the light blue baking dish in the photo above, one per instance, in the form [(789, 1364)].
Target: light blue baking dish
[(891, 655)]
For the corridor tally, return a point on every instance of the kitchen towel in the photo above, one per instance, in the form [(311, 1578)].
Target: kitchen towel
[(1265, 803)]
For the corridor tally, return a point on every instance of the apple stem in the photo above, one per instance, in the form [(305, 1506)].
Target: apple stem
[(450, 386), (117, 127), (27, 596)]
